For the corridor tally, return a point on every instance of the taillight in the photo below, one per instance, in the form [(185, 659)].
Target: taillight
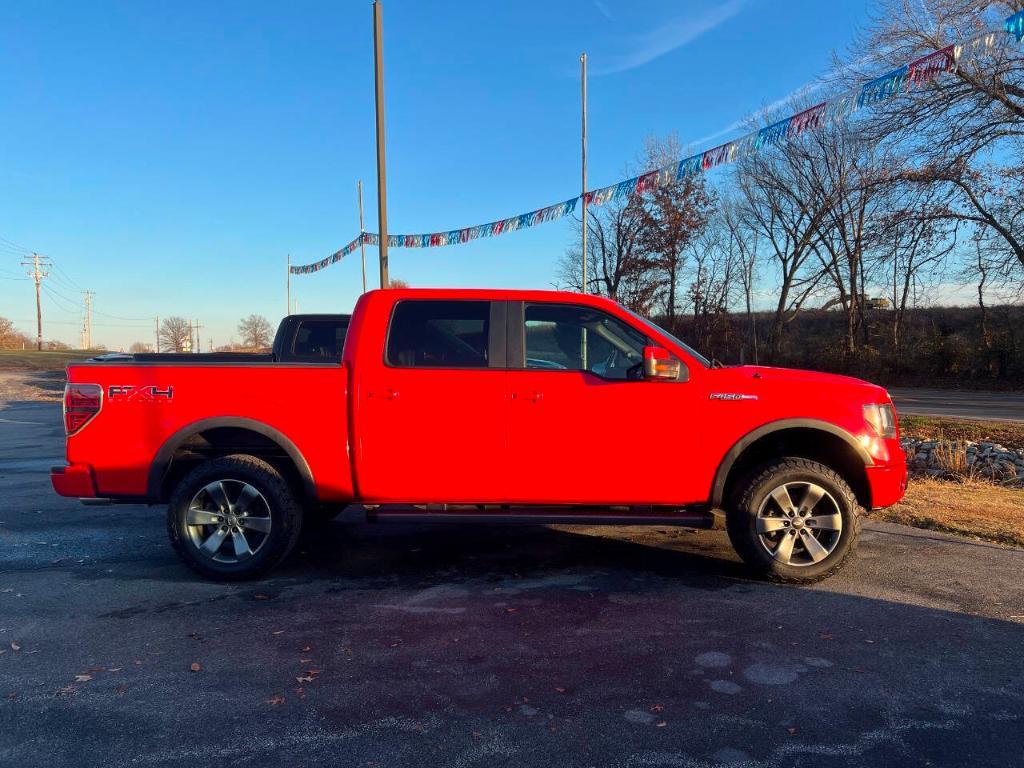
[(81, 403)]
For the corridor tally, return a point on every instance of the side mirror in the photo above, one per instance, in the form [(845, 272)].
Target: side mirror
[(660, 365)]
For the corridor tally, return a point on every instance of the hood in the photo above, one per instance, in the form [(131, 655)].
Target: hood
[(761, 377)]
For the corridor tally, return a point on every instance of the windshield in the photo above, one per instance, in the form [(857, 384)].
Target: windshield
[(658, 329)]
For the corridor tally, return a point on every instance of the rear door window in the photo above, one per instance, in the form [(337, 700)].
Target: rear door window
[(319, 340), (439, 334)]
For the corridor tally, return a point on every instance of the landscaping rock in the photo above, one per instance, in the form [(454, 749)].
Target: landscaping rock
[(984, 459)]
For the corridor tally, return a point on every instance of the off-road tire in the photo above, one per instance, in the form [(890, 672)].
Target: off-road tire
[(750, 493), (285, 514)]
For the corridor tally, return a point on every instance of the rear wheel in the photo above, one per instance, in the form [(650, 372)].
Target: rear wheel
[(233, 518), (794, 520)]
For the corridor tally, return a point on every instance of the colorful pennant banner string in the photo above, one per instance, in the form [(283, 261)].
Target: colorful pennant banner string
[(1015, 26), (334, 258), (917, 73)]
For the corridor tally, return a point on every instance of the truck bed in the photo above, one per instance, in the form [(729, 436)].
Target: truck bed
[(151, 408)]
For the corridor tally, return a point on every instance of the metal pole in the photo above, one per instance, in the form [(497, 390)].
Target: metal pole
[(382, 201), (158, 333), (583, 193), (289, 310), (88, 319), (362, 245)]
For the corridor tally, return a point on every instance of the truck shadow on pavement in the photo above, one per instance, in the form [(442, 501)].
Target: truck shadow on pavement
[(417, 552)]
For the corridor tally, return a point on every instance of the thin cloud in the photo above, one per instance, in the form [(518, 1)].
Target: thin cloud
[(651, 45), (791, 99), (797, 95), (603, 10)]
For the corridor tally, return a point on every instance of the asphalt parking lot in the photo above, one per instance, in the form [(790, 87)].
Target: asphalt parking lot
[(442, 646)]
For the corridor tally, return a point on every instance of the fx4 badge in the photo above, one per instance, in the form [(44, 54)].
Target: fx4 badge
[(128, 393)]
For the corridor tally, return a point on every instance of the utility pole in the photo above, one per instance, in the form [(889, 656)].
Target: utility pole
[(362, 245), (39, 267), (583, 193), (199, 346), (88, 318), (289, 310), (382, 200), (157, 348)]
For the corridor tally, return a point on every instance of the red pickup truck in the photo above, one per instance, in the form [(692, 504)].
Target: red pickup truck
[(471, 405)]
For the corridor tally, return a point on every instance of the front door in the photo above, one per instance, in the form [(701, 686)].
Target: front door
[(584, 426), (432, 418)]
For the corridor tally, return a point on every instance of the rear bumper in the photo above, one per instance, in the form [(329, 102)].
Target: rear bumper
[(888, 483), (74, 480)]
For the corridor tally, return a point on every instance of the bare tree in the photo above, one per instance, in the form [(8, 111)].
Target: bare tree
[(140, 346), (713, 267), (175, 334), (10, 336), (851, 175), (619, 266), (914, 243), (255, 331), (674, 215), (963, 106), (777, 200), (742, 242)]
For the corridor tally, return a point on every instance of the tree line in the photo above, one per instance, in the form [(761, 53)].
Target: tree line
[(177, 334), (841, 240)]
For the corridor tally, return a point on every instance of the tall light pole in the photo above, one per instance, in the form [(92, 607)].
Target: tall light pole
[(583, 138), (288, 297), (362, 229), (382, 200)]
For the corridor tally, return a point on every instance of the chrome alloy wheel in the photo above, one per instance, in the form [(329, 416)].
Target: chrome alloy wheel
[(799, 523), (228, 521)]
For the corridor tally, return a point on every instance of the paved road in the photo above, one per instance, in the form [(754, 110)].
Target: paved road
[(441, 646), (996, 406)]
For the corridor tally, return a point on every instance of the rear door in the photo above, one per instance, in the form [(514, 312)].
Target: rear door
[(584, 426), (433, 416)]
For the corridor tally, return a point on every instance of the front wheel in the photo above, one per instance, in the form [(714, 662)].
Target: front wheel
[(794, 520), (233, 518)]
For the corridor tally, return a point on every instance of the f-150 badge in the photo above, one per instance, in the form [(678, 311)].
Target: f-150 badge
[(730, 396)]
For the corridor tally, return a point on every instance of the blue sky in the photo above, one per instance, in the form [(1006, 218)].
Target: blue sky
[(168, 155)]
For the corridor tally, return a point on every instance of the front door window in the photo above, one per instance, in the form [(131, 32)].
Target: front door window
[(577, 338)]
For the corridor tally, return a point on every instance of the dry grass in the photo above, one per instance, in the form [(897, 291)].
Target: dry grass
[(969, 508), (928, 428), (35, 386), (31, 360), (952, 457)]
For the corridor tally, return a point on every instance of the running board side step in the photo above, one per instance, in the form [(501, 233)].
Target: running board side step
[(533, 516)]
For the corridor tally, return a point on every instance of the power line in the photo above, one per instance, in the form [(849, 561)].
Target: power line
[(119, 317), (61, 299), (9, 243), (67, 277)]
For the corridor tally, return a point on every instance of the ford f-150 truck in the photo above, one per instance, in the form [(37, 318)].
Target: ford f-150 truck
[(481, 405)]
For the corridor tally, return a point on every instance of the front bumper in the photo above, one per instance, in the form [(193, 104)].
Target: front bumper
[(888, 483), (74, 480)]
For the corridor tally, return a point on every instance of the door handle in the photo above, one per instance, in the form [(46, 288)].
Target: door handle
[(387, 394), (532, 396)]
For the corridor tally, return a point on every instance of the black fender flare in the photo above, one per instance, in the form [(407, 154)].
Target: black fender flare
[(162, 461), (722, 473)]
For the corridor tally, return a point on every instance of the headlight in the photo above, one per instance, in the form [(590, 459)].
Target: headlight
[(882, 418)]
